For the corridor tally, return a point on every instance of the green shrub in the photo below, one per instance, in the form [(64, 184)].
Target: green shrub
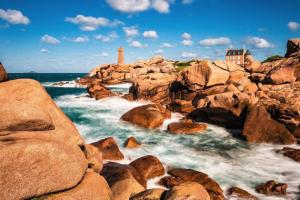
[(273, 58)]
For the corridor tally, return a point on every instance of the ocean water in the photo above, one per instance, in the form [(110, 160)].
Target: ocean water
[(225, 158)]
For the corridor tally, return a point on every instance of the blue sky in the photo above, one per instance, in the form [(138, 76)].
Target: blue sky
[(77, 35)]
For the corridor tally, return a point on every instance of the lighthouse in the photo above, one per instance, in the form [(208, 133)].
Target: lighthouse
[(120, 56)]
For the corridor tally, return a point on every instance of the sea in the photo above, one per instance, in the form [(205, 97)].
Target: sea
[(224, 157)]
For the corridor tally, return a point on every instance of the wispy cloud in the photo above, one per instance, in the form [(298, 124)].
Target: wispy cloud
[(167, 45), (49, 39), (14, 17), (215, 41), (293, 26), (131, 31), (107, 38), (150, 34), (137, 44), (258, 42), (187, 1), (135, 6), (44, 51), (89, 23), (186, 54), (80, 39), (187, 39)]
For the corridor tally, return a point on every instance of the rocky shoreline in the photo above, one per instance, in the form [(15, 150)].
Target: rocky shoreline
[(43, 156)]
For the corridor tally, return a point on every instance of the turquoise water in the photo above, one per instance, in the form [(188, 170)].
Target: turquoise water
[(229, 160)]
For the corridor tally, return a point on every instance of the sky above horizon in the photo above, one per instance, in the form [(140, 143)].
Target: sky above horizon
[(75, 36)]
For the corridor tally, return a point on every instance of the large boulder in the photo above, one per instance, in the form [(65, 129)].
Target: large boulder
[(186, 127), (188, 191), (94, 157), (293, 45), (203, 74), (123, 180), (26, 106), (252, 65), (185, 175), (3, 74), (150, 194), (32, 166), (109, 149), (259, 127), (92, 187), (226, 109), (147, 116), (98, 91), (153, 86), (132, 142), (148, 166)]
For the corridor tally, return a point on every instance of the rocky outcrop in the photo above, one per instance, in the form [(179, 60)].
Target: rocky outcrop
[(241, 194), (259, 127), (154, 87), (227, 109), (189, 175), (131, 142), (148, 167), (147, 116), (186, 127), (3, 74), (92, 187), (272, 188), (123, 180), (293, 46), (98, 91), (113, 74), (192, 190), (109, 149)]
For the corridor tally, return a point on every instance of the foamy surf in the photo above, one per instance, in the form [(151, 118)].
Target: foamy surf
[(228, 160)]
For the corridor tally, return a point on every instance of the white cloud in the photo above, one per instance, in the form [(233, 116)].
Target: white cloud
[(104, 54), (259, 42), (44, 51), (187, 1), (215, 41), (113, 35), (135, 6), (159, 51), (89, 23), (150, 34), (167, 45), (14, 17), (188, 55), (49, 39), (137, 44), (131, 31), (187, 42), (161, 6), (186, 36), (293, 26), (80, 39), (107, 38)]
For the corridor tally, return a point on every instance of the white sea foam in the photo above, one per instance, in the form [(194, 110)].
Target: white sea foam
[(63, 84), (230, 161)]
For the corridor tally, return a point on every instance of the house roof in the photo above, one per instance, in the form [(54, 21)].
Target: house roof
[(235, 52)]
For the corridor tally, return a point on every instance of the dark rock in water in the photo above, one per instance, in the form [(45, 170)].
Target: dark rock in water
[(181, 106), (3, 74), (109, 149), (259, 127), (124, 180), (291, 153), (240, 194), (148, 166), (170, 181), (212, 187), (186, 128), (87, 80), (272, 188), (131, 142), (147, 116)]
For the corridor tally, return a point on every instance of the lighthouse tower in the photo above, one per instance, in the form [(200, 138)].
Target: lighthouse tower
[(120, 56)]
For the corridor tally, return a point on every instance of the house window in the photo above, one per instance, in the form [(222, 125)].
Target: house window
[(238, 62)]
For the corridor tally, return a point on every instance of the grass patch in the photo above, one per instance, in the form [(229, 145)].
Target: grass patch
[(272, 58)]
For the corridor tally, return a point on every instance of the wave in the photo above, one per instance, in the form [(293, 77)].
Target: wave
[(228, 160), (63, 84)]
